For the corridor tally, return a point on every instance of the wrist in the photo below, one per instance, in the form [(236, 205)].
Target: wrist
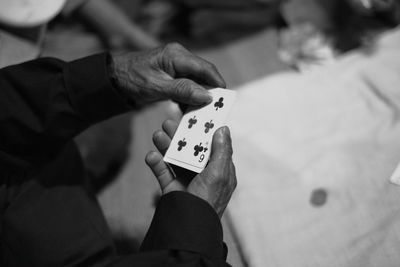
[(115, 80)]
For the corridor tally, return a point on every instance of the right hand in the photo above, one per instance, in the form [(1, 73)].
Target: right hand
[(215, 184), (168, 72)]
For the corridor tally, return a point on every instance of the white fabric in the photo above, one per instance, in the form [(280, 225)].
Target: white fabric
[(29, 13), (336, 128)]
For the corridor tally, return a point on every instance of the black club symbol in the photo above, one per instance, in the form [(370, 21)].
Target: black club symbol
[(219, 104), (192, 121), (209, 125), (181, 144), (197, 149)]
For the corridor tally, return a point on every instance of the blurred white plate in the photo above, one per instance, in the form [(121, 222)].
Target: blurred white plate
[(28, 13)]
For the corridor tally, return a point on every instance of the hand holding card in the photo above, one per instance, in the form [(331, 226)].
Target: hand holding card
[(215, 184), (191, 144)]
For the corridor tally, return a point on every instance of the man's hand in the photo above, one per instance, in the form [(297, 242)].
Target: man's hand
[(169, 72), (215, 184)]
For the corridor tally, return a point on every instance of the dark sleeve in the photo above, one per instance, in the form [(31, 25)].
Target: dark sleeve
[(185, 232), (44, 103)]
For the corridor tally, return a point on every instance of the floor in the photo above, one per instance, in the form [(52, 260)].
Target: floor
[(128, 200)]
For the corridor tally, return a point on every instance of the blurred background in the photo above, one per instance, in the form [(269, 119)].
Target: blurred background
[(249, 41)]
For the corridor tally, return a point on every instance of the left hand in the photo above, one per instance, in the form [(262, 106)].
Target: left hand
[(169, 72), (215, 184)]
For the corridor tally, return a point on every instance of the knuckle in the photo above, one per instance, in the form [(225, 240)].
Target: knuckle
[(148, 82), (195, 63), (214, 176), (182, 88), (163, 172), (221, 174), (173, 46)]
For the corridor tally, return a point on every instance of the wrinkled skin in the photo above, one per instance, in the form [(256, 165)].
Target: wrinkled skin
[(215, 184)]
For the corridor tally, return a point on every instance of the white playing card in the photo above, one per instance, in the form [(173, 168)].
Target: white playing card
[(191, 145)]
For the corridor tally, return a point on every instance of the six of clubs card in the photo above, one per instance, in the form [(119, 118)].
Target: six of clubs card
[(191, 145)]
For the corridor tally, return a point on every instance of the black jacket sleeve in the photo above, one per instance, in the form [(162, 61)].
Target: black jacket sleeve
[(185, 232), (46, 102)]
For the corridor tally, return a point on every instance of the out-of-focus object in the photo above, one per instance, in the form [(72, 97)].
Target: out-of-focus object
[(305, 44), (315, 12), (368, 6), (9, 55), (28, 13), (304, 47), (71, 6), (389, 10), (155, 16), (208, 23), (320, 30), (114, 25)]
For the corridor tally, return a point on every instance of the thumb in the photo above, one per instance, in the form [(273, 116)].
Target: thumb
[(186, 91), (221, 150)]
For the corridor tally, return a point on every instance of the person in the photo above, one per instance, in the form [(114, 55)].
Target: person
[(48, 216), (116, 27)]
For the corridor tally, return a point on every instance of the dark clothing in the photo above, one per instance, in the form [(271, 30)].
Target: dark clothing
[(47, 216)]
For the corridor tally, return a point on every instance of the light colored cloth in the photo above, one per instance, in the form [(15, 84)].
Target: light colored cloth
[(29, 13), (336, 129)]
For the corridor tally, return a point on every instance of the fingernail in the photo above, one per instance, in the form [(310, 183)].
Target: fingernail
[(201, 96), (225, 130), (223, 133)]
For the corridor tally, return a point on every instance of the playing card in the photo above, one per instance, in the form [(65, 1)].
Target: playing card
[(191, 145)]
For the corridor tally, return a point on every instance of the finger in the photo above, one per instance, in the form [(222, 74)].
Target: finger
[(187, 92), (184, 64), (162, 141), (233, 175), (199, 70), (170, 126), (221, 149), (159, 168)]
